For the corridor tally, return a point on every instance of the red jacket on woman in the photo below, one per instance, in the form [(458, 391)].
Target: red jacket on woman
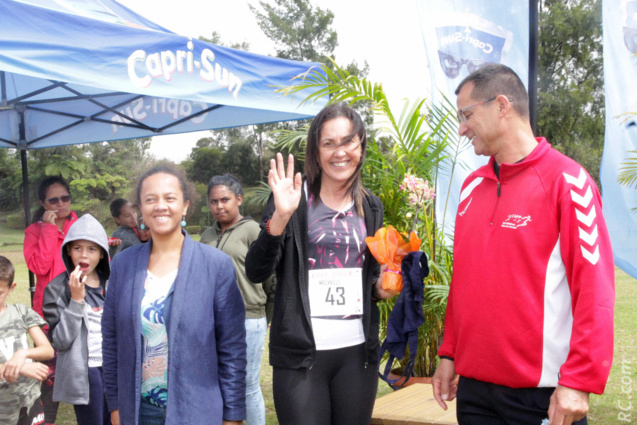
[(42, 252)]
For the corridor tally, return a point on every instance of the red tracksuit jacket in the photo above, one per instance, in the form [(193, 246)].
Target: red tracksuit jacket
[(43, 255), (533, 288)]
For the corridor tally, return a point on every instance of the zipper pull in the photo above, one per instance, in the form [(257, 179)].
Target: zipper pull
[(498, 188)]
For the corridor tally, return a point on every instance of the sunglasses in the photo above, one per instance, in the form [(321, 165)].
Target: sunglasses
[(451, 64), (56, 200)]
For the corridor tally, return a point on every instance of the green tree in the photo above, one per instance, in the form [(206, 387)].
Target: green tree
[(121, 158), (300, 31), (201, 163), (571, 81), (11, 178), (215, 38), (218, 156), (71, 162), (241, 161)]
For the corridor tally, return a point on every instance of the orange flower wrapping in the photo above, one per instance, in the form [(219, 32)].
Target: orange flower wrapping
[(389, 247)]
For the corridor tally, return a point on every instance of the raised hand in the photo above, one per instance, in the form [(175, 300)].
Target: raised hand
[(76, 284), (49, 217), (286, 189)]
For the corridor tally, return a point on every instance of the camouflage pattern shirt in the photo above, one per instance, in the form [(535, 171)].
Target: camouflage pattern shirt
[(14, 328)]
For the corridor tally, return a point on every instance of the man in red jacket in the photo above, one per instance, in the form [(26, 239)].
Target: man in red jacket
[(529, 323)]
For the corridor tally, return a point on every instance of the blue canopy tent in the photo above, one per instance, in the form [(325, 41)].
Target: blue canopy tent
[(82, 71)]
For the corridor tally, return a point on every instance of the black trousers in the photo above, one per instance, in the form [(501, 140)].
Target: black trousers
[(337, 390), (482, 403)]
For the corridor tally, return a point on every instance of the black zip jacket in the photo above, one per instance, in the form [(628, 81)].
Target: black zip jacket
[(291, 339)]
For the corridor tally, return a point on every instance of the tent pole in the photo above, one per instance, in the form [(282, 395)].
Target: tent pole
[(25, 191), (533, 66), (25, 197)]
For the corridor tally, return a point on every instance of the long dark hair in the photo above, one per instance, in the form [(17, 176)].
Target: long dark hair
[(42, 189), (313, 170)]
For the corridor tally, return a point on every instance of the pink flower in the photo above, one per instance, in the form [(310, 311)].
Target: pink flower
[(418, 189)]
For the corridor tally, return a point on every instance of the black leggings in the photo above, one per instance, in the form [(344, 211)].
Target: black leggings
[(337, 390)]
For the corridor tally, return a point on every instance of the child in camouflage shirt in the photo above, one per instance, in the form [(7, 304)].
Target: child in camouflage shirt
[(20, 376)]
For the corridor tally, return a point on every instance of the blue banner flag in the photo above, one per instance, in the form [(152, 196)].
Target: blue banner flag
[(620, 80), (460, 36)]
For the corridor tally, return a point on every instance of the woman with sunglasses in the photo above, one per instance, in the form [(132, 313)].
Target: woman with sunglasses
[(42, 251)]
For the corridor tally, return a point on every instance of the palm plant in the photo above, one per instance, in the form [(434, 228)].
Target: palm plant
[(412, 142), (628, 174)]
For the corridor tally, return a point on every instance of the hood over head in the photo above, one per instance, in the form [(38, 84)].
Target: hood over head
[(88, 228)]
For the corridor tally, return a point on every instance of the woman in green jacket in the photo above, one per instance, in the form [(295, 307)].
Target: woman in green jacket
[(233, 234)]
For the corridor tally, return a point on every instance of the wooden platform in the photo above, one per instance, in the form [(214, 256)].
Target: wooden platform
[(413, 405)]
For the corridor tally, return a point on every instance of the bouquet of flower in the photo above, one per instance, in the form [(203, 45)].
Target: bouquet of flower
[(389, 247)]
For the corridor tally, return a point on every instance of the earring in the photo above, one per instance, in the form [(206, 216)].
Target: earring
[(183, 221), (142, 226)]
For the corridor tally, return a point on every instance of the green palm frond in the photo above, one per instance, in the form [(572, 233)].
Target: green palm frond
[(261, 194), (287, 140), (628, 174)]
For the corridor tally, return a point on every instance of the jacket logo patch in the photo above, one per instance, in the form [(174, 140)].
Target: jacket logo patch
[(465, 208), (514, 221), (582, 197)]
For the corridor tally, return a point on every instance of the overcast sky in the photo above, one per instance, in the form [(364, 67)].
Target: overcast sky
[(385, 34)]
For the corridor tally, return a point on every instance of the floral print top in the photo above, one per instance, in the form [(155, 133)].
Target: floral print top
[(155, 339)]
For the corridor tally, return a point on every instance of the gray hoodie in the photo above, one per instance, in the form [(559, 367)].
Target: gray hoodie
[(68, 319)]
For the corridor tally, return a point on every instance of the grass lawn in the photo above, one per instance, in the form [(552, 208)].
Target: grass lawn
[(616, 406)]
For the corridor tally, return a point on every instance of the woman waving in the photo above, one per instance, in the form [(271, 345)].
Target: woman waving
[(324, 333)]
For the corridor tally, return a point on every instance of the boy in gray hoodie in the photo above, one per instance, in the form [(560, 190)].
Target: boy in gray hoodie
[(73, 305)]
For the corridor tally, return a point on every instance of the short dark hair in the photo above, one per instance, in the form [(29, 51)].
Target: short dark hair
[(495, 79), (43, 188), (7, 271), (164, 169), (226, 180), (312, 163), (117, 205)]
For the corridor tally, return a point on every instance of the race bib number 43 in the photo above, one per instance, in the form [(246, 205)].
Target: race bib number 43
[(336, 292)]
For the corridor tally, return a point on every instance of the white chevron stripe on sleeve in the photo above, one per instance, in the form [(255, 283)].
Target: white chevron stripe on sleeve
[(592, 257), (577, 182), (587, 219), (582, 200), (467, 190), (589, 238)]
